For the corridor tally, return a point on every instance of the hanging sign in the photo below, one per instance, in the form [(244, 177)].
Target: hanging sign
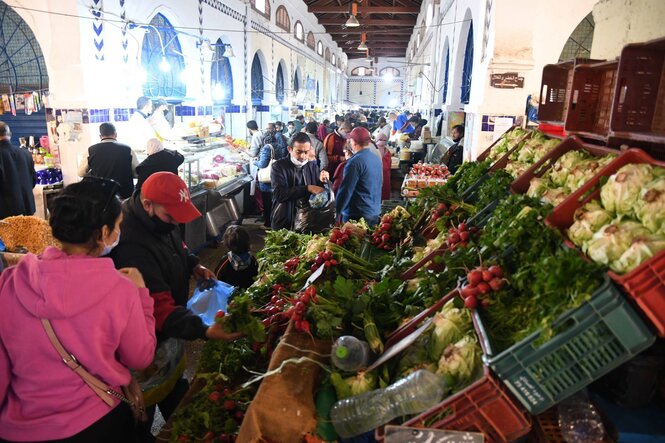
[(401, 434), (506, 80)]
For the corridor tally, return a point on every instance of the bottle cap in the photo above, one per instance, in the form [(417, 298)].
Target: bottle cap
[(342, 352)]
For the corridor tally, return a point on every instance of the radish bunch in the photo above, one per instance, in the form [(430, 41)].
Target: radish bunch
[(291, 265), (440, 211), (339, 236), (481, 282), (297, 311), (382, 237), (324, 258), (459, 236)]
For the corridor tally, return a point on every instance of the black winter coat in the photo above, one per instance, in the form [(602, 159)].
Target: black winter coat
[(166, 266), (111, 159), (17, 178), (165, 160), (285, 192)]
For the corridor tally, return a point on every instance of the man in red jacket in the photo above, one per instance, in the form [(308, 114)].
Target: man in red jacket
[(334, 146)]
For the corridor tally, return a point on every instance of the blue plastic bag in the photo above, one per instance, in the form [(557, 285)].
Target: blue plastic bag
[(210, 298)]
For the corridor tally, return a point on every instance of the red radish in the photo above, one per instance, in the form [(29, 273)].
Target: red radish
[(496, 271), (454, 238), (461, 227), (484, 303), (385, 226), (474, 277), (464, 235), (471, 302), (214, 396), (229, 405), (496, 284), (483, 288), (220, 314), (469, 291), (487, 276)]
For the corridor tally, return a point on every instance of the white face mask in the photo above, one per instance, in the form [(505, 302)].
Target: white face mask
[(297, 162), (108, 248)]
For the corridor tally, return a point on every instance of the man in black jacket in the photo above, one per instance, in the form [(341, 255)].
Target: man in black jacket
[(110, 159), (454, 157), (17, 177), (294, 178), (151, 242)]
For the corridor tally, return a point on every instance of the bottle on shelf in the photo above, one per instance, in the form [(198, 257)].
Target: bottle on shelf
[(350, 354), (413, 394), (579, 420)]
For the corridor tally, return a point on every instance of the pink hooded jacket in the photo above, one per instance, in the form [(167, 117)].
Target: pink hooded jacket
[(98, 315)]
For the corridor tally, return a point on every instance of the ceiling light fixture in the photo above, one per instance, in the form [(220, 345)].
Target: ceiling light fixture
[(363, 46), (352, 22)]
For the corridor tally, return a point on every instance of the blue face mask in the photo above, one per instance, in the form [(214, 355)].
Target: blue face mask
[(240, 261), (108, 248)]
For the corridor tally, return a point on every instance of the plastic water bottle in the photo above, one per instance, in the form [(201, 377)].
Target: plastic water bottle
[(415, 393), (579, 420), (350, 354)]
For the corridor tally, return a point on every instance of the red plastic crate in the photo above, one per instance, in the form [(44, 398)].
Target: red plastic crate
[(521, 185), (646, 283), (484, 406), (550, 129), (555, 87), (639, 103), (591, 99)]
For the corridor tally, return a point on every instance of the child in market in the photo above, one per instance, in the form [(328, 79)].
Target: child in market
[(239, 267)]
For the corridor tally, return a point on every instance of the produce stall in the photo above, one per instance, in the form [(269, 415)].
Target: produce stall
[(478, 282)]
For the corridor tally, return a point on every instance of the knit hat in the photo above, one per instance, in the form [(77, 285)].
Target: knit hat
[(168, 190)]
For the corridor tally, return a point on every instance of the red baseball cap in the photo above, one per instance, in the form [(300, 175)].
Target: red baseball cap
[(168, 190), (360, 135)]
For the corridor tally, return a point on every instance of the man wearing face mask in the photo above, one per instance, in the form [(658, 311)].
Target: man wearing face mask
[(334, 146), (151, 242), (294, 178)]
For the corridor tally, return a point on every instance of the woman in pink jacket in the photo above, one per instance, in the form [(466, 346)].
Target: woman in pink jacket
[(102, 316)]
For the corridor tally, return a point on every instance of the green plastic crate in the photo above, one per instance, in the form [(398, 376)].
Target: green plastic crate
[(589, 342)]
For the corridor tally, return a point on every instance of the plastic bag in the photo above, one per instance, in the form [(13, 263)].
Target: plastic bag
[(210, 298), (313, 220)]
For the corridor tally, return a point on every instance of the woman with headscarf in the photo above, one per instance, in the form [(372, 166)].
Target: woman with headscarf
[(159, 159), (386, 162)]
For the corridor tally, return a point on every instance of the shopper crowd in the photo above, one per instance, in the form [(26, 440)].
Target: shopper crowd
[(113, 298)]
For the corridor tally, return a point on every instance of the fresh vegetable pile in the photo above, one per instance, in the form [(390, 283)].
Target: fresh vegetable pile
[(506, 143), (529, 152), (627, 226), (566, 176), (420, 170)]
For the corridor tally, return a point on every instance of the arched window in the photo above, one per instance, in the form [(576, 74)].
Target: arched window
[(221, 78), (319, 48), (296, 82), (262, 7), (467, 69), (22, 66), (162, 59), (360, 71), (279, 85), (310, 40), (445, 76), (282, 18), (327, 57), (334, 60), (298, 32), (418, 41), (390, 71), (257, 81)]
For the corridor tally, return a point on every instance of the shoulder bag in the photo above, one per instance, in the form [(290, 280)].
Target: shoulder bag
[(131, 394), (264, 173)]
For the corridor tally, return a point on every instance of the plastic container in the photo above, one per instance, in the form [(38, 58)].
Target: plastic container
[(646, 283), (591, 99), (546, 429), (350, 354), (415, 393), (484, 406), (521, 185), (589, 341), (639, 103), (579, 420), (555, 88)]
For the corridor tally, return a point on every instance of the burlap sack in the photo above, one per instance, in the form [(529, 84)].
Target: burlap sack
[(283, 409)]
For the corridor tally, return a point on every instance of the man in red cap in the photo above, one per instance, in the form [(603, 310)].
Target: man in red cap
[(151, 242), (359, 195)]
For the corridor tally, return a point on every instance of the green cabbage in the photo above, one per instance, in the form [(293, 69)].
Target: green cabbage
[(537, 187), (554, 196), (450, 325), (354, 385), (650, 206), (621, 191), (460, 363), (588, 220), (642, 249), (612, 240)]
